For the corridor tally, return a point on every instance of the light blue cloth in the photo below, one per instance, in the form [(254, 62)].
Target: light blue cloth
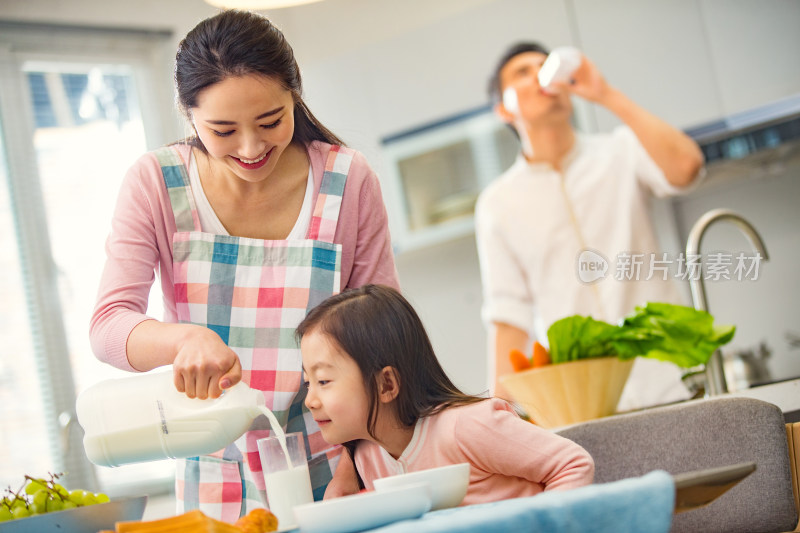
[(636, 505)]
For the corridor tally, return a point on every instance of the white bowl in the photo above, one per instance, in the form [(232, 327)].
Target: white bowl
[(365, 510), (448, 483)]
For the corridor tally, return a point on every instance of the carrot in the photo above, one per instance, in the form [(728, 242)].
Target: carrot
[(540, 355), (519, 361)]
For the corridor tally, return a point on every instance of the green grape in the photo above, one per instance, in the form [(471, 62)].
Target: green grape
[(40, 497), (54, 504), (64, 493), (35, 486), (20, 512), (17, 503), (77, 496)]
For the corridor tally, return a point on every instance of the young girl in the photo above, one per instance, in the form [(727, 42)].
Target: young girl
[(375, 385), (256, 218)]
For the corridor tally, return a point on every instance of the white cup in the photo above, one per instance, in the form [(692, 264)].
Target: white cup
[(286, 487)]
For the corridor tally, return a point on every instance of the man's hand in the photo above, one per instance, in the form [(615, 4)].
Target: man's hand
[(673, 151), (588, 83), (502, 339)]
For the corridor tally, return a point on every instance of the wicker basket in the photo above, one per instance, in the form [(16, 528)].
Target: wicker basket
[(567, 393)]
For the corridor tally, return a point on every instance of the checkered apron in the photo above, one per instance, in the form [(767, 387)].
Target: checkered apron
[(254, 293)]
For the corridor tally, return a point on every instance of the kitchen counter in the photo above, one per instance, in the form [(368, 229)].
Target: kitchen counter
[(784, 394)]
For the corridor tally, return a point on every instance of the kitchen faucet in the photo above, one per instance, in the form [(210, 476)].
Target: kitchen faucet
[(715, 374)]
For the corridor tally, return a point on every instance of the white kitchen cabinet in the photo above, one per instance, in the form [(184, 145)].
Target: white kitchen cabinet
[(693, 61), (437, 171), (656, 53), (754, 50)]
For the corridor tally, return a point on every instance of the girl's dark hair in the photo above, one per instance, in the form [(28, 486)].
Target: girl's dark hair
[(240, 43), (377, 327)]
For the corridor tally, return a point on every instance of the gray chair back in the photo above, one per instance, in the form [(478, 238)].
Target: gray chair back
[(697, 435)]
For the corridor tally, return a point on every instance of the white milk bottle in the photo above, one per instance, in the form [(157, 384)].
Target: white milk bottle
[(558, 67), (144, 418)]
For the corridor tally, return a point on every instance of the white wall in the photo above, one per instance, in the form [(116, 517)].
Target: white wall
[(376, 67)]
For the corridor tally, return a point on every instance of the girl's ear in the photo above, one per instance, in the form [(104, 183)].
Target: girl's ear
[(388, 384)]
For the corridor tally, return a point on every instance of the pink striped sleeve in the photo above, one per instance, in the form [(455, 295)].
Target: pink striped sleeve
[(139, 243)]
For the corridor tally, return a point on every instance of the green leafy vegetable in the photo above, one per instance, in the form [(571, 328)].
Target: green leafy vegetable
[(580, 337), (674, 333)]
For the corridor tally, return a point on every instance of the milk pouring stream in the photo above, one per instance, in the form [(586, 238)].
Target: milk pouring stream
[(145, 418)]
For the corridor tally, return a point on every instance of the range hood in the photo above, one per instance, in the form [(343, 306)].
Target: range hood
[(760, 131)]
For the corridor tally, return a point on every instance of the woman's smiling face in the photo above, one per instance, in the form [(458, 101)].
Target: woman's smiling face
[(245, 123)]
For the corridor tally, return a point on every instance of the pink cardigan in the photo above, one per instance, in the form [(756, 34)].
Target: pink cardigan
[(508, 457), (140, 243)]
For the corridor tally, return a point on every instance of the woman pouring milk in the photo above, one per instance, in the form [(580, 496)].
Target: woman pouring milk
[(257, 217)]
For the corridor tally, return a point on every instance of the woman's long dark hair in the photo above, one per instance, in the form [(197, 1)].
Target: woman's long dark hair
[(377, 327), (240, 43)]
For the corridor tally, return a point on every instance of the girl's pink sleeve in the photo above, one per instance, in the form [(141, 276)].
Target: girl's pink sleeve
[(495, 439), (364, 231), (133, 249)]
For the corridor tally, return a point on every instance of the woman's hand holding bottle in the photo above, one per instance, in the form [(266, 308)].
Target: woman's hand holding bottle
[(204, 365)]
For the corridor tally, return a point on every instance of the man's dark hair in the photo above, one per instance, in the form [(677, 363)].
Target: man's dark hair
[(513, 51)]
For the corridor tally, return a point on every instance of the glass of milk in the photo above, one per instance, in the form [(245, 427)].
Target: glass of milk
[(283, 459)]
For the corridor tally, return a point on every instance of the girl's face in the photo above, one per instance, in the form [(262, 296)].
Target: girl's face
[(245, 123), (336, 396)]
